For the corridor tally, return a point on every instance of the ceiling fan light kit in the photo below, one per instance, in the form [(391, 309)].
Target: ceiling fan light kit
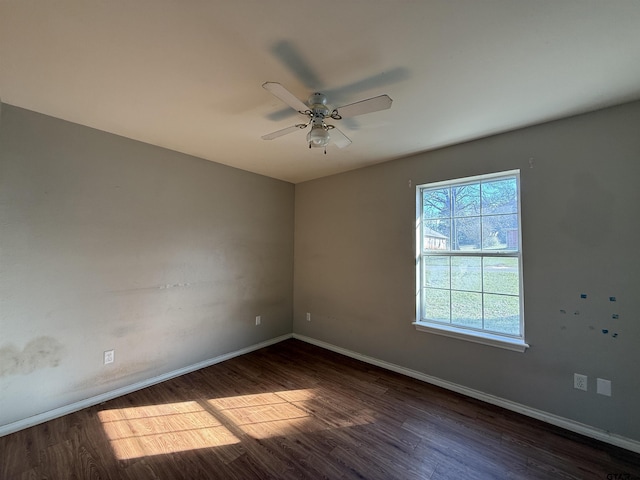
[(318, 136), (318, 111)]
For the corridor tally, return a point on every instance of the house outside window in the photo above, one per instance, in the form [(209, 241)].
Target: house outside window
[(469, 260)]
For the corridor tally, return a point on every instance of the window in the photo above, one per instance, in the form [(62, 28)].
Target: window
[(469, 262)]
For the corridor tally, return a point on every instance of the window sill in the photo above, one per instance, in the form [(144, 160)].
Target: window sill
[(512, 344)]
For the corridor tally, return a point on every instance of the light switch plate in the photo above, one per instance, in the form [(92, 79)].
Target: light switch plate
[(603, 387)]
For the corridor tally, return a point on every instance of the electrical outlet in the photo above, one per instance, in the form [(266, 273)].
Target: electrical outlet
[(308, 317), (580, 381), (258, 320), (109, 356), (603, 387)]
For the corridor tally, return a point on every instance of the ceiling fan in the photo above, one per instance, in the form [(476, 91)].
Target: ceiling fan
[(319, 112)]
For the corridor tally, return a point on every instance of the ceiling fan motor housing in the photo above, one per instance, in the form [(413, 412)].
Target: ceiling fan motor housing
[(318, 105)]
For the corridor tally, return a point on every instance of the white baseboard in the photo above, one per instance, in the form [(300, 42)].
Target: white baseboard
[(103, 397), (567, 424)]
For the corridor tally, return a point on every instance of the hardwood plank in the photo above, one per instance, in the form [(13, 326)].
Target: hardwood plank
[(296, 411)]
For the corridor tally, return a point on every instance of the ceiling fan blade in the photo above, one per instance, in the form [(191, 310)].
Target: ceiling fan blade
[(378, 81), (339, 138), (285, 95), (365, 106), (282, 132)]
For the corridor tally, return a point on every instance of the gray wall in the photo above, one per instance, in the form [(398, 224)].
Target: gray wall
[(355, 271), (108, 243)]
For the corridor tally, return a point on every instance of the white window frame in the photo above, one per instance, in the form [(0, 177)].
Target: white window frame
[(509, 342)]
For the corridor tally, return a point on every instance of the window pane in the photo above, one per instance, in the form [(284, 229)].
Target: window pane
[(470, 271), (466, 273), (467, 234), (436, 234), (466, 200), (502, 314), (500, 275), (436, 203), (437, 305), (500, 196), (500, 232), (436, 272), (466, 309)]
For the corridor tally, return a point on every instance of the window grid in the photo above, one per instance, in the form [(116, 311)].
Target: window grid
[(482, 296), (483, 253)]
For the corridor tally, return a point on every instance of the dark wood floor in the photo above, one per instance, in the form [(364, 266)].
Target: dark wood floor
[(296, 411)]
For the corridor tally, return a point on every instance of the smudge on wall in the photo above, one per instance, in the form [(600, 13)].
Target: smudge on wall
[(41, 352)]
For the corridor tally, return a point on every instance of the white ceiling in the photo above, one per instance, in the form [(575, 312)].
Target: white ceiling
[(187, 75)]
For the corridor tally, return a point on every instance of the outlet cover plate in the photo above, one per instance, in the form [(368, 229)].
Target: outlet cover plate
[(580, 381), (109, 356)]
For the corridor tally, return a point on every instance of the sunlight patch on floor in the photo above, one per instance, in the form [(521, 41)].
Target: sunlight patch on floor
[(159, 429), (142, 431), (265, 415)]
